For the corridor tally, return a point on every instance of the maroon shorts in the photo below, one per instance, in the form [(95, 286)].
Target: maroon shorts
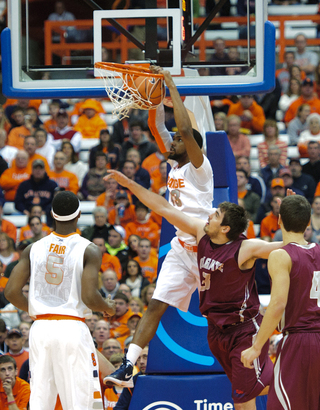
[(226, 345), (296, 380)]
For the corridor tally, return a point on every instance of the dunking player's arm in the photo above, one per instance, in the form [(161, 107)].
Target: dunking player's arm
[(250, 250), (183, 122), (279, 267), (89, 285)]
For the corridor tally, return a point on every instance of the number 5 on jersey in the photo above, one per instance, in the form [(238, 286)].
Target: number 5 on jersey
[(54, 274)]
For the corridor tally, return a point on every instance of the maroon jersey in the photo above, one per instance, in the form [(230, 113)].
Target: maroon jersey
[(68, 135), (228, 295), (302, 313)]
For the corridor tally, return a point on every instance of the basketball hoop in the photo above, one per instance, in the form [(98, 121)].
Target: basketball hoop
[(131, 86)]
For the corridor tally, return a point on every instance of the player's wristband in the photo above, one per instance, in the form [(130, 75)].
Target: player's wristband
[(11, 402)]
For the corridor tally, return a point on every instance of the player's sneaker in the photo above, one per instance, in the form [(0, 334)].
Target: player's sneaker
[(121, 377)]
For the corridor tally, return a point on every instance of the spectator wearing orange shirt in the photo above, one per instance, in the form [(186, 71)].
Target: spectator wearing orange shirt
[(159, 180), (90, 123), (270, 224), (15, 342), (13, 176), (63, 178), (7, 226), (77, 110), (23, 103), (108, 261), (51, 124), (17, 134), (152, 163), (26, 231), (123, 211), (148, 263), (107, 198), (13, 390), (251, 114), (306, 97), (30, 146), (142, 226), (118, 323)]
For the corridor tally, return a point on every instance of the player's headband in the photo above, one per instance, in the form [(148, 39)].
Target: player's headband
[(63, 218)]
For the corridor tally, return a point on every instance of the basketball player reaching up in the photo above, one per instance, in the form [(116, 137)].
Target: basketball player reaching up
[(190, 183), (63, 272), (228, 293), (295, 303)]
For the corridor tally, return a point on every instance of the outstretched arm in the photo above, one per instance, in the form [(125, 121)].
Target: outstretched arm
[(279, 266), (182, 119), (193, 226)]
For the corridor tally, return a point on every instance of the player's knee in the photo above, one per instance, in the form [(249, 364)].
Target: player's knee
[(156, 307)]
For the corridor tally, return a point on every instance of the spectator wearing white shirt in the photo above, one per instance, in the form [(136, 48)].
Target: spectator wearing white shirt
[(306, 60), (292, 94), (312, 133), (298, 124), (7, 152), (44, 147)]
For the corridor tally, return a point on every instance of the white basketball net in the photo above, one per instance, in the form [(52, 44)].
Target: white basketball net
[(122, 91)]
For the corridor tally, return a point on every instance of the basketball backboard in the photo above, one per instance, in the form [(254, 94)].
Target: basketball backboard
[(55, 59)]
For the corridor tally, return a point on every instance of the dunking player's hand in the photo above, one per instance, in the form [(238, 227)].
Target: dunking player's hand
[(159, 70), (111, 309)]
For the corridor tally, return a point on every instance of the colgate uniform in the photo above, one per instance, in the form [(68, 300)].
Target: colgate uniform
[(62, 353), (229, 299), (296, 379), (191, 191)]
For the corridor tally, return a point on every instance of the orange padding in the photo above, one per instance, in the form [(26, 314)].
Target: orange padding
[(59, 317), (187, 247), (154, 130)]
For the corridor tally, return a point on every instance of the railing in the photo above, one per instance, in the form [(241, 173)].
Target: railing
[(120, 43)]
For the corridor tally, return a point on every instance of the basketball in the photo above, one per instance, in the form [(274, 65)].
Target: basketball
[(151, 89)]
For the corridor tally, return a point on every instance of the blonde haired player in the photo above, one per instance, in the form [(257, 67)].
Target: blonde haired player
[(63, 271), (190, 183)]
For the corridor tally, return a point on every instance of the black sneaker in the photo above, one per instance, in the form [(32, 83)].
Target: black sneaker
[(121, 377)]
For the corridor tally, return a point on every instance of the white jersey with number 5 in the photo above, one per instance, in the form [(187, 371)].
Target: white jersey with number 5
[(56, 265), (191, 191)]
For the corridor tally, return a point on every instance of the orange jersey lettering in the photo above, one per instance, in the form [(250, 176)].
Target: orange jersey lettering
[(176, 183), (57, 249)]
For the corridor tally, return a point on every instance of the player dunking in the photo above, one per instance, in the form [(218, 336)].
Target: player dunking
[(228, 293), (190, 183), (63, 272), (295, 303)]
